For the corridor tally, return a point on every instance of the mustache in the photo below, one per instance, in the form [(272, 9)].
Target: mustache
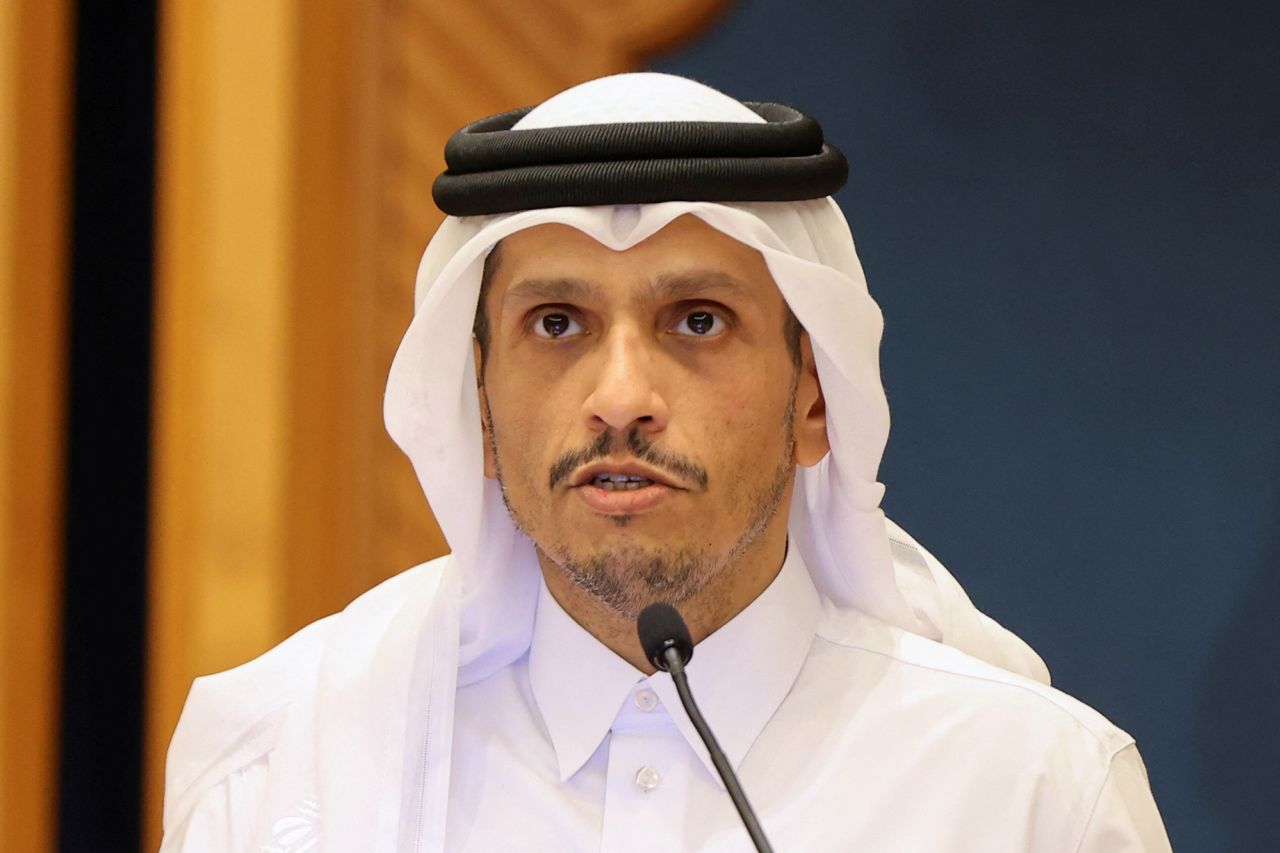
[(611, 441)]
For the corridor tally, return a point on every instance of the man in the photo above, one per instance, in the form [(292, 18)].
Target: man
[(643, 367)]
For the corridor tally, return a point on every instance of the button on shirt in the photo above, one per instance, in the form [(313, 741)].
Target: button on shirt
[(846, 734)]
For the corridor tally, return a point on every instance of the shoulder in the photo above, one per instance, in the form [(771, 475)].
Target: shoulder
[(966, 743), (232, 719), (945, 686)]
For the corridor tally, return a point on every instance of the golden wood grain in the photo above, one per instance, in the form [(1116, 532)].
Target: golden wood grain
[(35, 80)]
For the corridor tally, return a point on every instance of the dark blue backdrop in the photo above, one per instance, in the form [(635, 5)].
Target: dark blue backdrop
[(1069, 213)]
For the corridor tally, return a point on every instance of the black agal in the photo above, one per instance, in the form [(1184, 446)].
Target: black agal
[(491, 168)]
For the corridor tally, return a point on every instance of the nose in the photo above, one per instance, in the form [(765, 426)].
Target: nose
[(625, 391)]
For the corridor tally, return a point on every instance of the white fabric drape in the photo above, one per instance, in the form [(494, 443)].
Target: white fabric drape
[(432, 411)]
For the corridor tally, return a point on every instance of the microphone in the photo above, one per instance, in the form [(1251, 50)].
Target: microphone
[(668, 646)]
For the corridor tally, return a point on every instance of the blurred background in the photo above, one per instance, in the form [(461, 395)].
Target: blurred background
[(210, 216)]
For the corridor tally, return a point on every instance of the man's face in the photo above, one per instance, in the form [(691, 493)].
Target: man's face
[(643, 410)]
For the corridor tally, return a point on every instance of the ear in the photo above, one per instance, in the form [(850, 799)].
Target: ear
[(811, 442), (486, 422)]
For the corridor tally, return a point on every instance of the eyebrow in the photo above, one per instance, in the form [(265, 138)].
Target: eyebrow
[(551, 290), (664, 288), (695, 283)]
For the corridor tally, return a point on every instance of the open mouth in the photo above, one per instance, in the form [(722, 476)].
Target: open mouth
[(620, 482), (623, 488)]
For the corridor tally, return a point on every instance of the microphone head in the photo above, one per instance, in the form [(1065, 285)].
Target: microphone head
[(660, 628)]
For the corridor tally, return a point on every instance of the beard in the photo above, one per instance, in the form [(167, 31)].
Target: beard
[(626, 577)]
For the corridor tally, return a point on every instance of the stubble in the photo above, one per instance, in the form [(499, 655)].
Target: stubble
[(627, 577)]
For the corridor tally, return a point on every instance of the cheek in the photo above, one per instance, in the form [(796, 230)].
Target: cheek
[(735, 406), (528, 428)]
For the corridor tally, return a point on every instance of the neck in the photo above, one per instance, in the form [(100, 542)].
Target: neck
[(727, 593)]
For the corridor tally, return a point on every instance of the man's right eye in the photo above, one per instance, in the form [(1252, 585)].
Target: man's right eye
[(556, 324)]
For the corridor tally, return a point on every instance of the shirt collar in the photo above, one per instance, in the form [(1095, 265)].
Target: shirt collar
[(739, 675)]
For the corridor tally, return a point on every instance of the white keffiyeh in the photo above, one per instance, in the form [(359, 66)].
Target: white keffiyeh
[(432, 403)]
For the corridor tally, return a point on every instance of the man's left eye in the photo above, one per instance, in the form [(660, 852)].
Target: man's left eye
[(701, 323)]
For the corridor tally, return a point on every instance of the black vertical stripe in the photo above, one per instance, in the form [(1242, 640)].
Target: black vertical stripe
[(109, 409)]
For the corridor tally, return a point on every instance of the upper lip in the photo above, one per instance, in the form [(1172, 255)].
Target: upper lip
[(584, 476)]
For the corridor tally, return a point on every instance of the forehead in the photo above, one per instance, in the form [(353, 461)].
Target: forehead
[(686, 244)]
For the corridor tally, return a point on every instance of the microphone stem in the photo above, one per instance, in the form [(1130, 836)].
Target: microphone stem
[(676, 667)]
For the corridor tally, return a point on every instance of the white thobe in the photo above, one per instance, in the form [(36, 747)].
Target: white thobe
[(847, 735)]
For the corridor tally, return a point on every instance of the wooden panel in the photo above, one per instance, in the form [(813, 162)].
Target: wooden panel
[(222, 348), (298, 144), (34, 81)]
